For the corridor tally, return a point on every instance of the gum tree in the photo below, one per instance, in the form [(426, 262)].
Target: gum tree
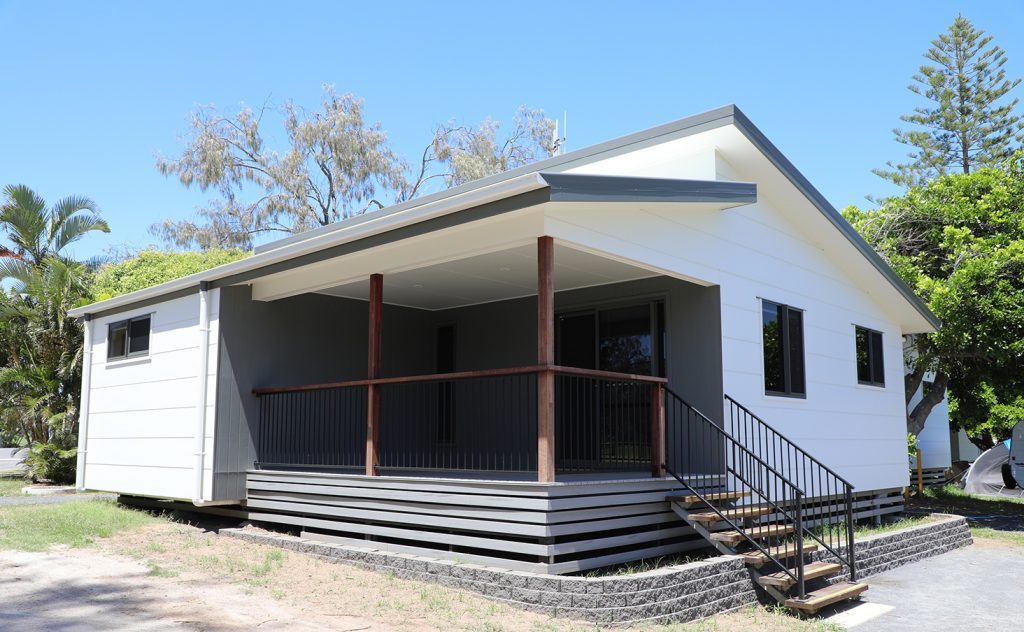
[(332, 164)]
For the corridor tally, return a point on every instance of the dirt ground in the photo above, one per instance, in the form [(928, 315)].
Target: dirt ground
[(171, 576)]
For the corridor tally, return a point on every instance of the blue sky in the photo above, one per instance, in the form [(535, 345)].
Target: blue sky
[(93, 91)]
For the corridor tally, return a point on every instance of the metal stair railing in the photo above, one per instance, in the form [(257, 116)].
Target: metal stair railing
[(828, 497), (704, 456)]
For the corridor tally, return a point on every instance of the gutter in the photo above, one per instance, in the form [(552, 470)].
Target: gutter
[(83, 408)]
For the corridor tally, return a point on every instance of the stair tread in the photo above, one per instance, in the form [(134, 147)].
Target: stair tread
[(765, 531), (750, 511), (811, 571), (758, 559), (691, 499), (822, 597)]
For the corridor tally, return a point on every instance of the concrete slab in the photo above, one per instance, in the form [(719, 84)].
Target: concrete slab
[(973, 588)]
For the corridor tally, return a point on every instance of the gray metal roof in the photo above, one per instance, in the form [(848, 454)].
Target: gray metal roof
[(567, 187)]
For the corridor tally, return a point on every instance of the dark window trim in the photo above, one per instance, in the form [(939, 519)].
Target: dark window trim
[(871, 360), (787, 368), (127, 324)]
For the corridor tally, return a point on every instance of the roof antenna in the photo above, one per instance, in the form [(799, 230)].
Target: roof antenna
[(558, 142)]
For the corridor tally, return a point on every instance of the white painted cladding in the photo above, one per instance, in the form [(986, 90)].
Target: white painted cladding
[(934, 440), (142, 411), (756, 252)]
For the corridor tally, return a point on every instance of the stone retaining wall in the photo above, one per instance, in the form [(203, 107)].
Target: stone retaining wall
[(675, 593), (879, 553)]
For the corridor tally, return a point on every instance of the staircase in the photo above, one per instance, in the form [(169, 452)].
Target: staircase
[(786, 514)]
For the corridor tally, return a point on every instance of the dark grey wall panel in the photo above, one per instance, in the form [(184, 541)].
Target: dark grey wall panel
[(300, 340), (315, 338)]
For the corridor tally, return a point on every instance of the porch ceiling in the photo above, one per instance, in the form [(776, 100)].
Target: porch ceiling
[(495, 276)]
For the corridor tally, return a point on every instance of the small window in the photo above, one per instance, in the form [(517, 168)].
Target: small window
[(783, 330), (870, 365), (128, 338)]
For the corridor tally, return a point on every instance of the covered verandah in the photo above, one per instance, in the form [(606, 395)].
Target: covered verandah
[(488, 391), (577, 394)]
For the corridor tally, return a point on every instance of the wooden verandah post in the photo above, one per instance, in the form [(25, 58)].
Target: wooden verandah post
[(373, 372), (657, 429), (545, 358)]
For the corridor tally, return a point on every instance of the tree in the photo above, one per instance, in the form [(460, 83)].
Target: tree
[(40, 375), (959, 242), (37, 232), (152, 267), (335, 165), (968, 123)]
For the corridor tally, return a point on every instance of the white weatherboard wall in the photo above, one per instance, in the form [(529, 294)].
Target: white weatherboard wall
[(755, 252), (142, 411), (934, 441)]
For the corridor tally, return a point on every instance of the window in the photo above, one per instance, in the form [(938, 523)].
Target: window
[(128, 338), (783, 329), (627, 339), (870, 367)]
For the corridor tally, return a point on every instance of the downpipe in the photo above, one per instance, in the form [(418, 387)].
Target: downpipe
[(201, 394), (83, 405)]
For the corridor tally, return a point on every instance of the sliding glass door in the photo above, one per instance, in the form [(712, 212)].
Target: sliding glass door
[(603, 424)]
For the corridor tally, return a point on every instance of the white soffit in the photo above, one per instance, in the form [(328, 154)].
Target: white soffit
[(494, 276)]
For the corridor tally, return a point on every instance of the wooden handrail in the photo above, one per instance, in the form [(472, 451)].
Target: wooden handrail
[(607, 375), (462, 375)]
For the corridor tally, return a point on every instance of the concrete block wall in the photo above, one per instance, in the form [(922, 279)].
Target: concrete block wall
[(671, 594), (879, 553)]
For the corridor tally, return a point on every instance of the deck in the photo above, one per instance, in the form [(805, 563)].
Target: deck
[(560, 527)]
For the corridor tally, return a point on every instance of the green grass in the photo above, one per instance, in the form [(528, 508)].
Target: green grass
[(650, 564), (1015, 538), (155, 570), (956, 498), (251, 572), (38, 527), (11, 485), (861, 530)]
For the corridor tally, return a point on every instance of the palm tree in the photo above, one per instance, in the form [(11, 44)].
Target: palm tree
[(41, 354), (40, 380), (37, 232)]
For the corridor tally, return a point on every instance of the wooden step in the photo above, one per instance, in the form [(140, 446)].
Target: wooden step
[(711, 517), (822, 597), (756, 533), (784, 582), (695, 500), (758, 559)]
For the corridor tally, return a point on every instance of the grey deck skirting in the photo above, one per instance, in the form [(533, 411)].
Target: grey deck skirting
[(672, 594), (548, 528), (558, 528)]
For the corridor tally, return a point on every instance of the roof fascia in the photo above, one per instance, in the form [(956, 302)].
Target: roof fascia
[(772, 153), (575, 187)]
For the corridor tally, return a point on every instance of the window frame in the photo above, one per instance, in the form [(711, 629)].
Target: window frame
[(125, 353), (784, 311), (869, 337)]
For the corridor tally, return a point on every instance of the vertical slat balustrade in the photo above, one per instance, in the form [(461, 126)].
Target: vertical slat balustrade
[(318, 428)]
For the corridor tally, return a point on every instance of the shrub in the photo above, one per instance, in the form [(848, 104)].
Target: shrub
[(152, 267), (54, 461)]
